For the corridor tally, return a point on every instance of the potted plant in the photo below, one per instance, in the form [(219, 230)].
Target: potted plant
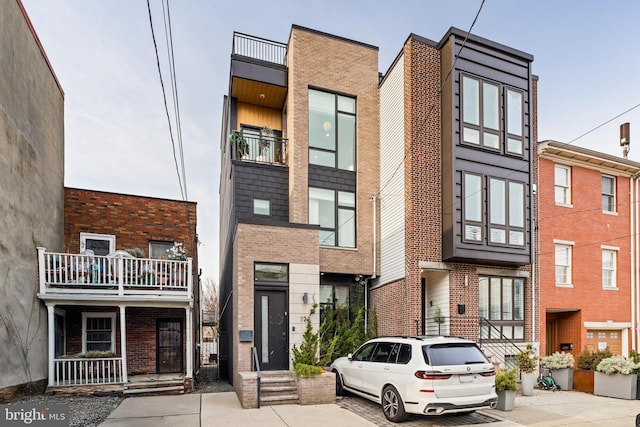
[(587, 361), (241, 146), (561, 364), (506, 387), (616, 376), (266, 138), (437, 315), (526, 362)]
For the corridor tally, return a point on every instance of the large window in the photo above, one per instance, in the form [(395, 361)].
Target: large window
[(332, 130), (472, 219), (335, 212), (506, 212), (160, 250), (333, 296), (609, 256), (563, 263), (608, 193), (482, 115), (267, 272), (98, 332), (501, 301), (562, 185)]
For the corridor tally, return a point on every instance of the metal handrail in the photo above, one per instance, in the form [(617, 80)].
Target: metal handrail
[(259, 48), (255, 366), (502, 339)]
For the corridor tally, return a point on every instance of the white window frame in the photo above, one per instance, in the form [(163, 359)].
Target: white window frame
[(614, 210), (86, 315), (95, 236), (566, 187), (614, 270), (569, 245)]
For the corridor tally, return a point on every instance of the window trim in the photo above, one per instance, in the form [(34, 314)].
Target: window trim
[(111, 238), (337, 113), (268, 202), (511, 136), (170, 244), (507, 227), (337, 207), (472, 223), (614, 280), (614, 210), (480, 127), (98, 314), (567, 202), (502, 323), (569, 245)]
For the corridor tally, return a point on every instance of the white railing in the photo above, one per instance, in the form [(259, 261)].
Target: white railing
[(71, 372), (62, 272)]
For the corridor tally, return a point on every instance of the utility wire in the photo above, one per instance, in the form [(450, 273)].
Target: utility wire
[(166, 107)]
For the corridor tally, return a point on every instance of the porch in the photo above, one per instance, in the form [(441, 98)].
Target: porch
[(137, 384)]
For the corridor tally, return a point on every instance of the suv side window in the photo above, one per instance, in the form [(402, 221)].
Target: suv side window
[(364, 353), (404, 355), (382, 352)]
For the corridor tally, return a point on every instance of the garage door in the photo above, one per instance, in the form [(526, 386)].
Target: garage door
[(598, 339)]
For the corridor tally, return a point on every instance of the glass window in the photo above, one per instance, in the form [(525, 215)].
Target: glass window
[(332, 130), (506, 207), (364, 352), (562, 185), (472, 188), (160, 250), (515, 118), (261, 207), (98, 331), (337, 220), (608, 268), (100, 244), (501, 300), (480, 113), (563, 264), (264, 272), (334, 295), (608, 193)]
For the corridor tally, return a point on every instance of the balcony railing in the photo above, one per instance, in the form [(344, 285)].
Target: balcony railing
[(260, 149), (100, 371), (259, 48), (78, 273)]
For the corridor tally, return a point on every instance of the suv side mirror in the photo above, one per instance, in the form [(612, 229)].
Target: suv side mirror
[(350, 356)]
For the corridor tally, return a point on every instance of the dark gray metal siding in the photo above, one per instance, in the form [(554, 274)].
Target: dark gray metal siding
[(256, 181)]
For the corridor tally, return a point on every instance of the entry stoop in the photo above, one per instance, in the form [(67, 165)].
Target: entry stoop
[(153, 385), (278, 388)]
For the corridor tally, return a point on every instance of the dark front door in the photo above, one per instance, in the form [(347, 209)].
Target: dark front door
[(169, 358), (271, 329)]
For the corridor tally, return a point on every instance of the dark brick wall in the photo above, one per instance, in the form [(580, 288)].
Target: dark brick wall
[(254, 180)]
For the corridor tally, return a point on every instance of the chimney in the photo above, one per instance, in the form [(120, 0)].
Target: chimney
[(625, 138)]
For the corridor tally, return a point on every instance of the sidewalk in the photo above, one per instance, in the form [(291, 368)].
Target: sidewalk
[(544, 408)]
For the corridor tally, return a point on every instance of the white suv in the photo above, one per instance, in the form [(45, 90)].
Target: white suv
[(418, 375)]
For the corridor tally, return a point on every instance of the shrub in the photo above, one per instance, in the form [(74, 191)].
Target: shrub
[(506, 380), (526, 360), (588, 360), (307, 353), (307, 371), (558, 360), (617, 365)]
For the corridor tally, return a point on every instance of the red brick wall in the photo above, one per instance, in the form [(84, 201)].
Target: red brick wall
[(134, 220), (589, 228)]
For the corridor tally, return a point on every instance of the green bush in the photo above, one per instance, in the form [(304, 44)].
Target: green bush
[(558, 360), (526, 360), (617, 365), (506, 380), (307, 371), (589, 360)]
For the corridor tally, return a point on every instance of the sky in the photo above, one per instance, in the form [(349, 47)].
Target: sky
[(117, 137)]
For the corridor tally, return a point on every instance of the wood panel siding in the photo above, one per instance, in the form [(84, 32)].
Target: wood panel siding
[(254, 115)]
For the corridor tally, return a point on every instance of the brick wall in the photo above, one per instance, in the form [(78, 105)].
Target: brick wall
[(134, 220)]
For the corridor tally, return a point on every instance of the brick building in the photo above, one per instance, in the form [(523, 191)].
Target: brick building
[(121, 287), (587, 222), (299, 166), (457, 127)]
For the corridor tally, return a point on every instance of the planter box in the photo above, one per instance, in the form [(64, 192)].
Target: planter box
[(506, 399), (616, 385), (528, 380), (564, 378), (317, 390), (583, 380)]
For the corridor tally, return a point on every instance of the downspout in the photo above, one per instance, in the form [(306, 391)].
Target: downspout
[(373, 198), (635, 291)]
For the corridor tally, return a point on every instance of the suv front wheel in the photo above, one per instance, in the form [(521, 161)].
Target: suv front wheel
[(392, 405)]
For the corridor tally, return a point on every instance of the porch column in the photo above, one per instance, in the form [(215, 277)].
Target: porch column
[(52, 343), (123, 343), (189, 322)]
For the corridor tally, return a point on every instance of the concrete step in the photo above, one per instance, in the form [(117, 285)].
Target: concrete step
[(160, 390), (284, 399), (148, 384)]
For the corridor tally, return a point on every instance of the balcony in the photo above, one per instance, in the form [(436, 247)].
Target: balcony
[(259, 48), (250, 147), (118, 275)]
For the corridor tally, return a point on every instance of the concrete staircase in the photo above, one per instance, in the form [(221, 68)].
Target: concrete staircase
[(278, 388), (154, 386)]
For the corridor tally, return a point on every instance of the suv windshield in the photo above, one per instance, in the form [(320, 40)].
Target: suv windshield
[(452, 354)]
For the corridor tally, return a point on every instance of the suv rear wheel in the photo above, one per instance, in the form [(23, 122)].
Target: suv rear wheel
[(392, 405), (339, 389)]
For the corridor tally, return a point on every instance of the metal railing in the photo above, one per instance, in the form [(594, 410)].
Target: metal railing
[(255, 366), (62, 272), (82, 371), (259, 48), (260, 149), (496, 345)]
